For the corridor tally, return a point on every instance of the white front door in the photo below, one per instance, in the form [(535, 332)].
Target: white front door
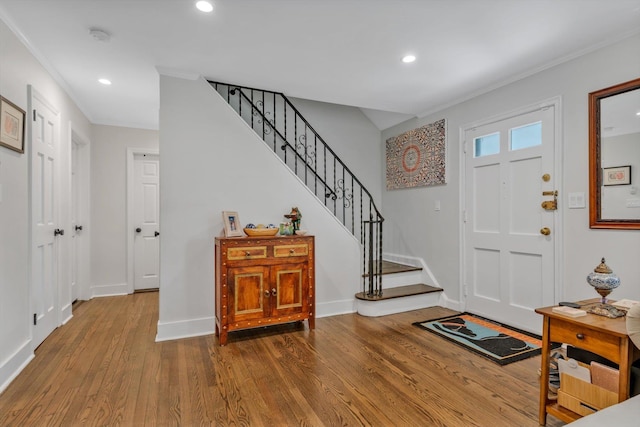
[(45, 139), (146, 206), (509, 259)]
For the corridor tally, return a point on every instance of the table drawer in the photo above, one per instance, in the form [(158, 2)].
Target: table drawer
[(246, 252), (290, 250), (585, 338)]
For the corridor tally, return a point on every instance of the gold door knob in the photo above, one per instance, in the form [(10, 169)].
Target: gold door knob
[(545, 231)]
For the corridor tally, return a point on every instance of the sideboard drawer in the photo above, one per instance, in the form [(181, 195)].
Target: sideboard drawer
[(601, 343), (247, 252), (290, 250)]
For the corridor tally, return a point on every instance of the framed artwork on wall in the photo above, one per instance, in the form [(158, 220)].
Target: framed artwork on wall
[(11, 125), (232, 227), (619, 175)]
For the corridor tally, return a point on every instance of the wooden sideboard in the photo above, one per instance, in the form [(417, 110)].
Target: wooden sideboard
[(262, 281), (598, 334)]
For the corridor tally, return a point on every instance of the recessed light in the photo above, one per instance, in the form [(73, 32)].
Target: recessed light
[(204, 6), (408, 58), (105, 82)]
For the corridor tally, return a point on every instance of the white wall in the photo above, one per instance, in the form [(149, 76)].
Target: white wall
[(413, 226), (212, 161), (109, 204), (18, 69)]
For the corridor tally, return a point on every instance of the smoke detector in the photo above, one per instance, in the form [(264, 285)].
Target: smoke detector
[(99, 35)]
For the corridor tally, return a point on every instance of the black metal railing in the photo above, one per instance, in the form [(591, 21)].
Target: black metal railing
[(277, 121)]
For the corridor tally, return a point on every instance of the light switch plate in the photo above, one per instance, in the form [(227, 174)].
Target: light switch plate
[(577, 201)]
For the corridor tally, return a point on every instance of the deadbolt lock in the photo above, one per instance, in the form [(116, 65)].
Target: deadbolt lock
[(550, 205)]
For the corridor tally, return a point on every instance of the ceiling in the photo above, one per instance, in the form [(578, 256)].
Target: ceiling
[(338, 51)]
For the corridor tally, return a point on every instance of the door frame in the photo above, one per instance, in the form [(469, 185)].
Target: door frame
[(556, 103), (131, 153), (84, 207)]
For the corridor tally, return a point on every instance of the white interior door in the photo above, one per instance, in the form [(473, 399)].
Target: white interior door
[(146, 213), (509, 259), (45, 138)]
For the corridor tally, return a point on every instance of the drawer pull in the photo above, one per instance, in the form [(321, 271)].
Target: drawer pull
[(247, 253), (580, 336), (291, 251)]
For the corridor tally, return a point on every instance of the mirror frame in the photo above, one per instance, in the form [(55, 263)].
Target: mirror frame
[(595, 217)]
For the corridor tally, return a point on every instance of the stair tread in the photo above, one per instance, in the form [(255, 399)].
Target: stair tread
[(400, 291), (389, 267)]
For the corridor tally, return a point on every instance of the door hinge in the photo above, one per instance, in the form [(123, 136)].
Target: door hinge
[(35, 319), (464, 216), (464, 147), (34, 115), (465, 290)]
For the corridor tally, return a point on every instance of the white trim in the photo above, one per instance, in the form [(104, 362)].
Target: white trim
[(110, 290), (556, 103), (131, 152), (335, 308), (185, 328), (15, 364)]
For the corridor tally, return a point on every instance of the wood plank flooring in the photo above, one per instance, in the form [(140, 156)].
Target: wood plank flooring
[(103, 368)]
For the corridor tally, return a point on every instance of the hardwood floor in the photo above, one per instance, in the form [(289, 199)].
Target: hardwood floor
[(104, 368)]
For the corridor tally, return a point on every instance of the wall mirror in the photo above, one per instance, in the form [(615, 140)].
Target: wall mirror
[(614, 156)]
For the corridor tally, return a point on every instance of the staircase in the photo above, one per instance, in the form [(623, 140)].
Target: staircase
[(281, 126), (398, 296)]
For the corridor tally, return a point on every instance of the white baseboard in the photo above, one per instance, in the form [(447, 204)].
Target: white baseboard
[(185, 328), (335, 308), (66, 314), (11, 367), (109, 290)]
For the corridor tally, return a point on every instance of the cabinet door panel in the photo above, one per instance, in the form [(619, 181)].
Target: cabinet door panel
[(247, 287), (290, 283)]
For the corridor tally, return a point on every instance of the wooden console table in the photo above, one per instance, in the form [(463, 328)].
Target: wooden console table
[(598, 334), (263, 281)]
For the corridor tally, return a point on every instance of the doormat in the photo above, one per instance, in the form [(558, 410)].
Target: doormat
[(492, 340)]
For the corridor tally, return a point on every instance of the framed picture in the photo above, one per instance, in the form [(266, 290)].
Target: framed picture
[(11, 125), (232, 227), (619, 175)]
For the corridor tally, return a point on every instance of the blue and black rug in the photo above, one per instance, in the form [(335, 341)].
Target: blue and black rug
[(497, 342)]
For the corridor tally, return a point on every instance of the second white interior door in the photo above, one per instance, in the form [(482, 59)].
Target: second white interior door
[(146, 221)]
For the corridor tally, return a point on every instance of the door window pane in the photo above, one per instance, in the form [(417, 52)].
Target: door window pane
[(526, 136), (486, 145)]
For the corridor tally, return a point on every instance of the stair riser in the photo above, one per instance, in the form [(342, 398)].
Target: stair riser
[(397, 305), (402, 279)]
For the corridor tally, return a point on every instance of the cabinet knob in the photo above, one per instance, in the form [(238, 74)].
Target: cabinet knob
[(247, 253), (266, 293), (273, 292), (580, 336), (291, 251)]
